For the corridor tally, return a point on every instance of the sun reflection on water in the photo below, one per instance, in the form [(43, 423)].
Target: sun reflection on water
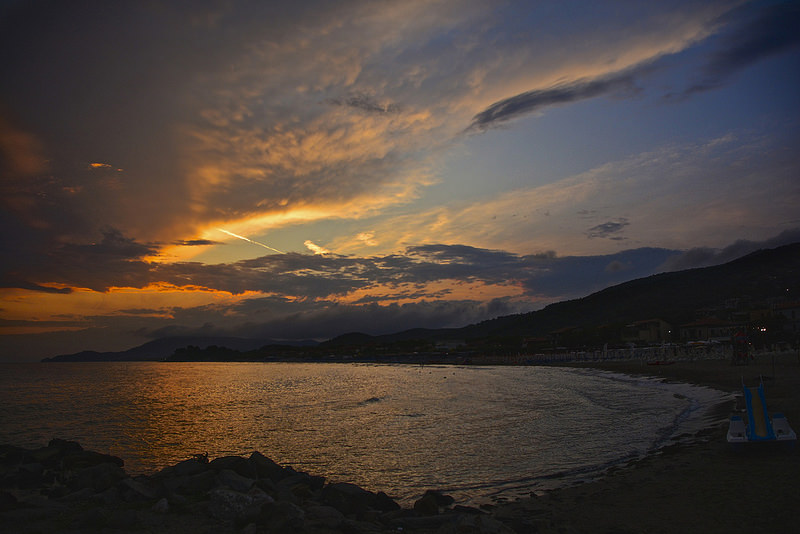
[(401, 429)]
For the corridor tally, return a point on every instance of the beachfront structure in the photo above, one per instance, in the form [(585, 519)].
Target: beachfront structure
[(649, 331), (790, 312), (708, 329)]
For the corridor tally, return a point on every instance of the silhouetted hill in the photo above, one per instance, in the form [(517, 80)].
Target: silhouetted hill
[(674, 297), (162, 348), (757, 279)]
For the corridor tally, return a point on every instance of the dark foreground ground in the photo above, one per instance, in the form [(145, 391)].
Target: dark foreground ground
[(702, 487), (699, 487)]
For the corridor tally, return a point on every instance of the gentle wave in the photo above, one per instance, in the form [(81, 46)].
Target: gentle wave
[(480, 433)]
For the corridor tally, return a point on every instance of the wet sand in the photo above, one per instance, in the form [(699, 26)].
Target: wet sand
[(704, 486)]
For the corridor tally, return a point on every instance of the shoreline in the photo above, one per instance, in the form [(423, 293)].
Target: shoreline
[(693, 485), (701, 486)]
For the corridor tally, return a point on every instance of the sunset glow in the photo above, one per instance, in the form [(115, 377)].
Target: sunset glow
[(234, 168)]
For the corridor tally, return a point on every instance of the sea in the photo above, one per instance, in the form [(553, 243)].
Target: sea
[(481, 434)]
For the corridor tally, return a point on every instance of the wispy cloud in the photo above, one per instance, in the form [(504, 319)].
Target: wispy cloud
[(774, 29), (316, 249), (608, 230), (643, 195), (366, 103), (533, 101)]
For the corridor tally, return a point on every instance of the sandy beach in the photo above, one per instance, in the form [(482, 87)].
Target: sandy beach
[(700, 487)]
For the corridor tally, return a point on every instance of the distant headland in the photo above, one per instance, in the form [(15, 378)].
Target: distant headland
[(755, 299)]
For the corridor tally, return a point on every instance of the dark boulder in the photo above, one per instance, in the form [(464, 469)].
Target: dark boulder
[(234, 481), (349, 499), (139, 489), (266, 468), (432, 503), (282, 517), (7, 501), (99, 477), (235, 463), (192, 466), (190, 485)]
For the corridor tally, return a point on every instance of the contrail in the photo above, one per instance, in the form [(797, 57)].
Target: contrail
[(251, 241)]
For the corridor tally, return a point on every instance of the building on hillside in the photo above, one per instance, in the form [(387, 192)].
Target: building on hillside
[(650, 331), (709, 329), (790, 312)]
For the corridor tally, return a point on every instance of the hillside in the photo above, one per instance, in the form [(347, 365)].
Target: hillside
[(162, 348), (757, 279)]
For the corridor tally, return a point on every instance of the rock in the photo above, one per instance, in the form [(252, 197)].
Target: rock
[(324, 516), (459, 509), (351, 526), (82, 494), (348, 498), (425, 523), (108, 497), (98, 477), (432, 502), (191, 485), (123, 519), (28, 476), (7, 501), (135, 490), (11, 455), (93, 518), (282, 516), (234, 480), (238, 464), (426, 505), (475, 524), (228, 504), (161, 507), (48, 456), (384, 503), (187, 468), (266, 468), (299, 487), (315, 483), (64, 446)]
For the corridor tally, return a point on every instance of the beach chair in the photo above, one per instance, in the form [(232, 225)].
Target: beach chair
[(759, 427)]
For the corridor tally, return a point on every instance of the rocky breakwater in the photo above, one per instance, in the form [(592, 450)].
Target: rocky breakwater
[(64, 488)]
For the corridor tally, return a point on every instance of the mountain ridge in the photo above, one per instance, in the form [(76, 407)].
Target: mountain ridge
[(672, 296)]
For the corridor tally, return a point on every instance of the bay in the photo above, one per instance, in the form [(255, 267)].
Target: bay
[(477, 433)]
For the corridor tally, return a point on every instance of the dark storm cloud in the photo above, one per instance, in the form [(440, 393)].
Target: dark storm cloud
[(608, 230), (119, 261), (126, 84), (705, 257), (329, 319), (531, 101), (197, 243), (22, 284), (115, 260), (773, 30), (365, 102)]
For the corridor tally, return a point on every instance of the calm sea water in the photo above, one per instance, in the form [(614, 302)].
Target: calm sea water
[(478, 433)]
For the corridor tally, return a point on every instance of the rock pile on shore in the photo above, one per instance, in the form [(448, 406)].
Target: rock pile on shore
[(64, 488)]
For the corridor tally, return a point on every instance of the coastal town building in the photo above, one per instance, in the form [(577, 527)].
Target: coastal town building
[(649, 331), (790, 315), (709, 329)]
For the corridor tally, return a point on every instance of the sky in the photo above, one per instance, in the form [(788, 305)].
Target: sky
[(302, 170)]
